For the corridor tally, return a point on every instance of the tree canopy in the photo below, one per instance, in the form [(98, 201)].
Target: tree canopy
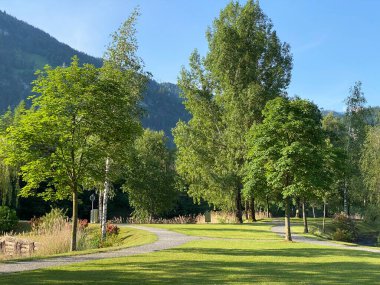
[(224, 92), (286, 152)]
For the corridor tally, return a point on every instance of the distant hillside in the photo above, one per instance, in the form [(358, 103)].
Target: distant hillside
[(335, 113), (164, 107), (24, 49)]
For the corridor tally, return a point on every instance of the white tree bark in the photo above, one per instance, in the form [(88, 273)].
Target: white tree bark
[(100, 206), (105, 200)]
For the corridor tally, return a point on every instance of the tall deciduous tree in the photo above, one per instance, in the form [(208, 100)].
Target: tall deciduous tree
[(286, 151), (125, 68), (82, 115), (370, 165), (355, 124), (246, 66), (335, 161), (9, 176), (151, 176), (53, 140)]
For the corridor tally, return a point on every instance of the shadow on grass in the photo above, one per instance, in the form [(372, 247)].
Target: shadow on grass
[(288, 252), (207, 266)]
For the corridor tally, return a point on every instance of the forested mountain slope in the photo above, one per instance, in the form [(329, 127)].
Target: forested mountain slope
[(24, 49)]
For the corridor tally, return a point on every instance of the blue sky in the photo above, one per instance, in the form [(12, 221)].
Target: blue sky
[(334, 42)]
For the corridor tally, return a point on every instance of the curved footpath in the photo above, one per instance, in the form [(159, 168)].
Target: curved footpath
[(300, 238), (165, 240)]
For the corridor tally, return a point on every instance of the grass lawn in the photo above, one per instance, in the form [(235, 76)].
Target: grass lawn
[(259, 230), (219, 262)]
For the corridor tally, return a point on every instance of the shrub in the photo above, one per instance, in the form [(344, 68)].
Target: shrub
[(112, 229), (345, 228), (8, 219), (372, 214), (342, 235)]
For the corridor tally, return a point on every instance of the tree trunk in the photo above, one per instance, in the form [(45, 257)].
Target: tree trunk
[(246, 210), (267, 214), (324, 216), (304, 214), (100, 207), (73, 246), (298, 208), (312, 206), (105, 200), (252, 208), (345, 198), (238, 214), (288, 235)]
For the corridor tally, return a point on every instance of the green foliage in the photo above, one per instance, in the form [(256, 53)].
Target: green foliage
[(83, 114), (372, 214), (246, 66), (9, 178), (286, 150), (51, 141), (355, 121), (8, 219), (150, 177), (370, 165)]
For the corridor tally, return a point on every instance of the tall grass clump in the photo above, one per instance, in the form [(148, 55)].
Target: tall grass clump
[(52, 232)]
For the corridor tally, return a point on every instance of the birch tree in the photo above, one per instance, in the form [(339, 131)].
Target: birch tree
[(122, 65)]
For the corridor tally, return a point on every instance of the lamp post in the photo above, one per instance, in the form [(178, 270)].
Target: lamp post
[(94, 217), (92, 198)]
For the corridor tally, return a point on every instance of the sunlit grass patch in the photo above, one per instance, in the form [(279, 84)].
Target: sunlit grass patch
[(240, 231)]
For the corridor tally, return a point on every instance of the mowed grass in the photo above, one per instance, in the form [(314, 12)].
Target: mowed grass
[(220, 262), (234, 261), (259, 231)]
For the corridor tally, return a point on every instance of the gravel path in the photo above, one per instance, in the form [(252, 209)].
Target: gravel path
[(300, 238), (166, 239)]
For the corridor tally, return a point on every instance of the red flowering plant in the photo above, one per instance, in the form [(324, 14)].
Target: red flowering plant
[(112, 229)]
